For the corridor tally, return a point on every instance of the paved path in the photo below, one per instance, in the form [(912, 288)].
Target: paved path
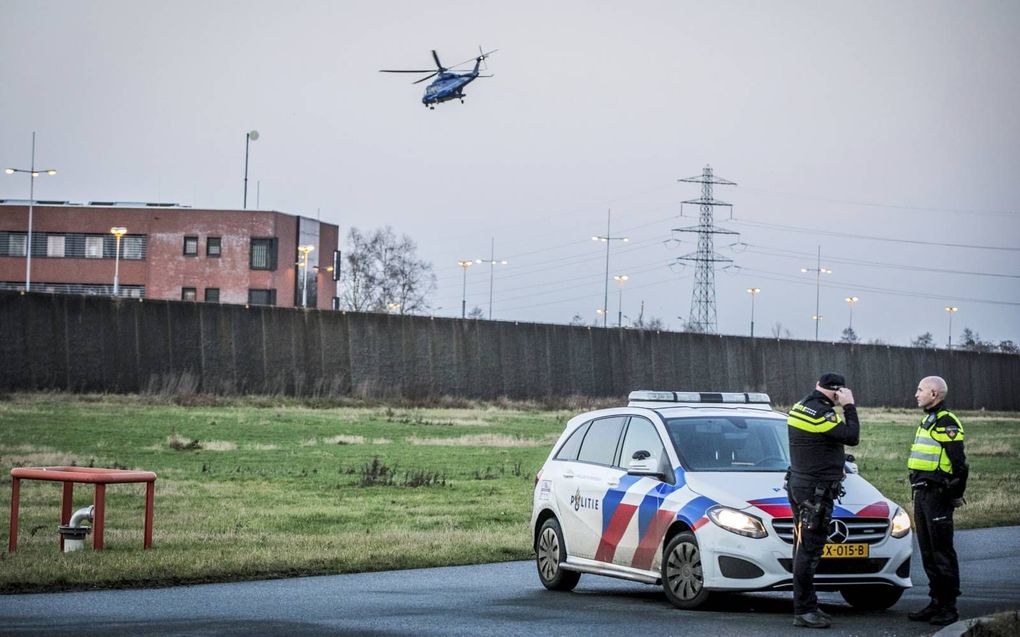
[(493, 599)]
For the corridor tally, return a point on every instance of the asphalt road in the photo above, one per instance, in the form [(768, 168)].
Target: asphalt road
[(493, 599)]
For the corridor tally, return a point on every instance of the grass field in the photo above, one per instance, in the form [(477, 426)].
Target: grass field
[(259, 488)]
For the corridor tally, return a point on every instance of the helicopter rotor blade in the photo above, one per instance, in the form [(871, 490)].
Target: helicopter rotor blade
[(406, 71), (431, 75), (439, 65)]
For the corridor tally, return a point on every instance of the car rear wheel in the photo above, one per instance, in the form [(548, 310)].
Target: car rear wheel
[(550, 553), (870, 597), (682, 576)]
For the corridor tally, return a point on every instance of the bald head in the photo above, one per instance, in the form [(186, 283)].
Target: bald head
[(931, 391)]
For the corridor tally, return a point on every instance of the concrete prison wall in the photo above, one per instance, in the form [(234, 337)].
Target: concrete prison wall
[(99, 344)]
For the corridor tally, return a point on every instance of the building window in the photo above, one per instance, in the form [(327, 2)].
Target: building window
[(94, 247), (263, 254), (212, 295), (132, 248), (55, 245), (16, 247), (212, 247), (261, 297), (187, 294), (191, 246)]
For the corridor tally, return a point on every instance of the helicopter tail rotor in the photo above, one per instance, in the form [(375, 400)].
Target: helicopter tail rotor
[(482, 55)]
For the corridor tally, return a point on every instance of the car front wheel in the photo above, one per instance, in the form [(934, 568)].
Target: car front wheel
[(870, 597), (550, 553), (682, 576)]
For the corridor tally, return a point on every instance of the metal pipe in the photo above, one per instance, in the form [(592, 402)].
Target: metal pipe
[(80, 516)]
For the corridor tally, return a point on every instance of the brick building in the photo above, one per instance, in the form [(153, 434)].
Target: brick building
[(170, 252)]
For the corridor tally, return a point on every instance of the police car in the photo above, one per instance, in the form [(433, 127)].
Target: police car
[(685, 489)]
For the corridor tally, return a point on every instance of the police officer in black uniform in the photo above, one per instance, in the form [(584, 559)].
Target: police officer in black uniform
[(938, 477), (817, 459)]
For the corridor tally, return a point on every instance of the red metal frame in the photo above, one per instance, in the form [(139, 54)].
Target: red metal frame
[(92, 475)]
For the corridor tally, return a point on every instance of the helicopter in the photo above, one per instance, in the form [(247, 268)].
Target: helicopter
[(449, 85)]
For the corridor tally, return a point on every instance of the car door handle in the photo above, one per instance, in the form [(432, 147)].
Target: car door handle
[(613, 483), (568, 474)]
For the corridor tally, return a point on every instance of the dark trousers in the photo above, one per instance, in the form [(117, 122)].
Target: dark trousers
[(807, 545), (933, 519)]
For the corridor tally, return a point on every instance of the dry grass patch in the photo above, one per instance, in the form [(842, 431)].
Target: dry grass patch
[(478, 440), (32, 456), (344, 439), (219, 445), (262, 447), (985, 447)]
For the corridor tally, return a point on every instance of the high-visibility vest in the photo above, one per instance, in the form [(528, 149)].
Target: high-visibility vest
[(800, 418), (927, 452)]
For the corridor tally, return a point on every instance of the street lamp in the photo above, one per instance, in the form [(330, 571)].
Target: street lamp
[(492, 266), (305, 251), (608, 238), (819, 271), (753, 292), (118, 232), (851, 301), (249, 137), (463, 297), (621, 279), (952, 310), (393, 308), (33, 173)]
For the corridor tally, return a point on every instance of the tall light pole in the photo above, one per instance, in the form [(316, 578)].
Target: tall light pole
[(33, 173), (753, 292), (608, 238), (305, 251), (851, 301), (621, 279), (952, 310), (118, 232), (819, 271), (249, 137), (463, 295), (492, 261)]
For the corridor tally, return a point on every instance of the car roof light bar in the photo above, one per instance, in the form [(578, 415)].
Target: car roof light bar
[(744, 398)]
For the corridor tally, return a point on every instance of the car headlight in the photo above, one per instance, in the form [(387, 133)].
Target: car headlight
[(900, 523), (737, 522)]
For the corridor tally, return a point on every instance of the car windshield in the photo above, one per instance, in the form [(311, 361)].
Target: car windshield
[(730, 443)]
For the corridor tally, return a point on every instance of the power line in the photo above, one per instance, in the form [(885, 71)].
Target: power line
[(873, 264), (829, 233), (869, 204)]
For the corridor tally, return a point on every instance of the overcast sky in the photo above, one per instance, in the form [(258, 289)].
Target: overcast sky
[(885, 132)]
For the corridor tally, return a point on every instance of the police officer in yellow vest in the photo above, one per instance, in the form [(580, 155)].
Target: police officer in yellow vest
[(938, 477), (817, 461)]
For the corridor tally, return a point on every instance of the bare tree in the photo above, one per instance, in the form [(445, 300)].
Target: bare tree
[(1008, 347), (849, 336), (384, 273), (778, 331), (926, 340), (476, 313), (650, 323), (971, 341)]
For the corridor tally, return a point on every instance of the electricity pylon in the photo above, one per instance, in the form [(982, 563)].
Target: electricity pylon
[(703, 315)]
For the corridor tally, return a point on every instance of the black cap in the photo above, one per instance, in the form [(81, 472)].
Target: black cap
[(831, 381)]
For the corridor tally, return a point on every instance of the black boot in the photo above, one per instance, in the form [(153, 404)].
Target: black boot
[(814, 619), (946, 615), (926, 613)]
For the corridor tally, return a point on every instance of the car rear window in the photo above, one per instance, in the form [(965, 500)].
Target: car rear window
[(599, 445), (730, 443), (569, 449)]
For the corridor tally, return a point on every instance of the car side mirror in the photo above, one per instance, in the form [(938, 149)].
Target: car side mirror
[(643, 464)]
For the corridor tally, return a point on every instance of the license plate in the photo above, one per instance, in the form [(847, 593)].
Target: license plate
[(845, 550)]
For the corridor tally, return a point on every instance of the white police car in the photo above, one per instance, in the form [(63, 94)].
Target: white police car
[(686, 489)]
